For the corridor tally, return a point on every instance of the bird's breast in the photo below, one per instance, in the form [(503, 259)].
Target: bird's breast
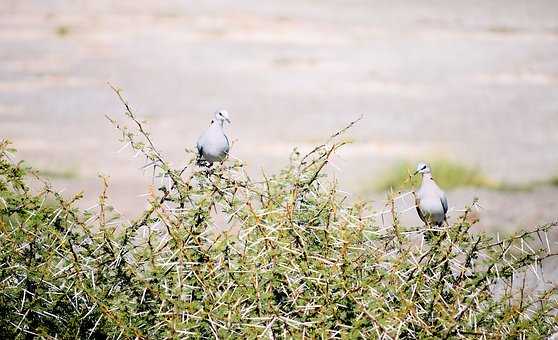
[(431, 205)]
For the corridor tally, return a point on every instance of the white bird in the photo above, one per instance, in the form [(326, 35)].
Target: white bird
[(432, 203), (213, 145)]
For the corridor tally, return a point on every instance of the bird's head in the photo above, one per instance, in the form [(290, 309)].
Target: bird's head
[(222, 116), (422, 168)]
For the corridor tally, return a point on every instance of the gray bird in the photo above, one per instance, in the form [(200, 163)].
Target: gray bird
[(213, 145), (432, 203)]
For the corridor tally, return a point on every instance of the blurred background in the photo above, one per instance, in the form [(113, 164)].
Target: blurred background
[(470, 86)]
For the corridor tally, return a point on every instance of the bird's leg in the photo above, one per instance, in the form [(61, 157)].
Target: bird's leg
[(205, 164), (428, 233), (427, 226)]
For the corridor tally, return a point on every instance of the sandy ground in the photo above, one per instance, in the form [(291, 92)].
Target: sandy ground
[(474, 81)]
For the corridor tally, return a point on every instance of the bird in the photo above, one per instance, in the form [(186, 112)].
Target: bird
[(431, 201), (213, 145)]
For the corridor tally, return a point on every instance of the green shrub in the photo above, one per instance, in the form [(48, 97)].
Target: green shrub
[(303, 263)]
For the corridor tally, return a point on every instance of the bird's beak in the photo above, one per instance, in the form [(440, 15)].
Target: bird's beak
[(416, 173)]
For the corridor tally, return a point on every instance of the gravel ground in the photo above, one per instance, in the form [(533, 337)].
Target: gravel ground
[(474, 81)]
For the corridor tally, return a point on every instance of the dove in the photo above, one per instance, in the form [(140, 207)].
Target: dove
[(213, 145), (431, 201)]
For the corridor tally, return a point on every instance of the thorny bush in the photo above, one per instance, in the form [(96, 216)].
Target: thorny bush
[(295, 260)]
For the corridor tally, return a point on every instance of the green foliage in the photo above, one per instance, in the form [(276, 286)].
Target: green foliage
[(447, 173), (303, 263), (59, 174), (62, 31)]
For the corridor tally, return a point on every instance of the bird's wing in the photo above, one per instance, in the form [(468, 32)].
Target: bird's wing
[(444, 201), (228, 144), (417, 201)]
